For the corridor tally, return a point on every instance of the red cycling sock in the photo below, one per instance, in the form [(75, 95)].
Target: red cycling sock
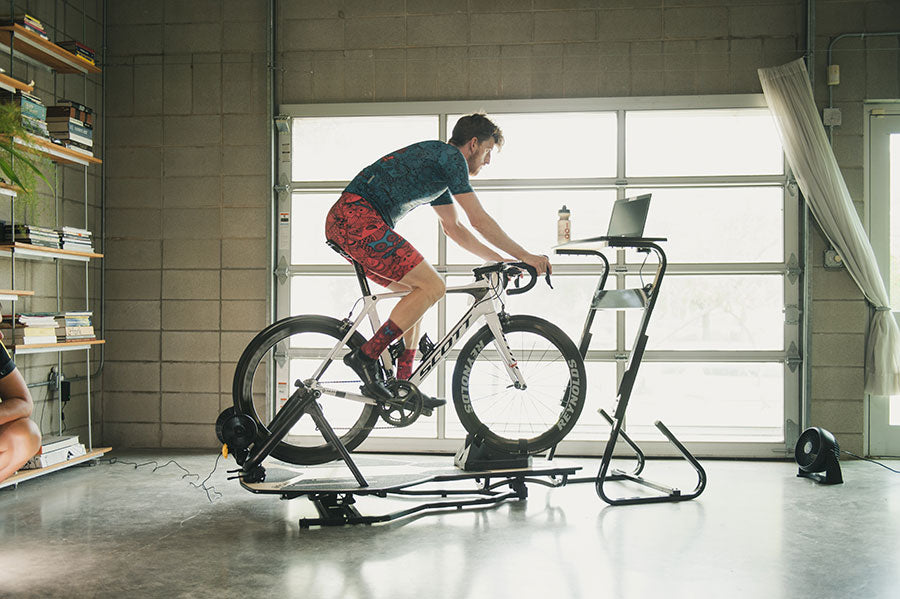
[(381, 339), (405, 364)]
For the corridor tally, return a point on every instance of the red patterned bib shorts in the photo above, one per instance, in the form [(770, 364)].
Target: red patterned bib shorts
[(357, 228)]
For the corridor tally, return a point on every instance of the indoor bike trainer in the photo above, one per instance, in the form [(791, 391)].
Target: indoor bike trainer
[(643, 298)]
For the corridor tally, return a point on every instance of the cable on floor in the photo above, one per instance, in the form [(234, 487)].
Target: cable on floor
[(210, 491), (870, 460)]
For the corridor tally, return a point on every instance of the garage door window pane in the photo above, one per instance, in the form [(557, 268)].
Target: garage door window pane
[(671, 143), (715, 313), (529, 217), (709, 401), (706, 225), (336, 148), (552, 145)]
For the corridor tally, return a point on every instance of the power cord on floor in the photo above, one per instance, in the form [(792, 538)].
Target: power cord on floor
[(869, 460), (210, 491)]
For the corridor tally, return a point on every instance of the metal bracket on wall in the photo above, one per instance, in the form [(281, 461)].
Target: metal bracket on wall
[(283, 188), (282, 271), (793, 269), (793, 359), (282, 123)]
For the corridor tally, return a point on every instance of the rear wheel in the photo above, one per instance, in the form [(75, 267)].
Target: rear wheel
[(292, 349), (528, 420)]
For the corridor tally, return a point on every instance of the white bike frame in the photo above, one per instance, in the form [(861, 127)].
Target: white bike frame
[(481, 307)]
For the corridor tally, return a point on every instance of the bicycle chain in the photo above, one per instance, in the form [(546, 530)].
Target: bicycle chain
[(374, 428)]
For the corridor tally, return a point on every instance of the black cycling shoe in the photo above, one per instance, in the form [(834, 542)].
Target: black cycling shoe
[(430, 403), (367, 370)]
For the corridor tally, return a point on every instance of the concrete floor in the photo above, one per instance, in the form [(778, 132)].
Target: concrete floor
[(758, 531)]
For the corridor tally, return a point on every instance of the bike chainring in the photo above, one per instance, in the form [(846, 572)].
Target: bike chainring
[(405, 408)]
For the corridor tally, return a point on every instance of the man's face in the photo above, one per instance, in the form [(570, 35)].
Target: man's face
[(480, 155)]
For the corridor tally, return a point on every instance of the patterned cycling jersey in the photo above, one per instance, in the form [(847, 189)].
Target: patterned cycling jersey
[(423, 173)]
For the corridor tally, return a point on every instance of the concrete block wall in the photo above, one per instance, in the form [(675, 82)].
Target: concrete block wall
[(186, 204), (187, 186), (59, 205)]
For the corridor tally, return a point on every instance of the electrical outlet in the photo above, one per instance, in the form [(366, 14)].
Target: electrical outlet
[(831, 116), (833, 260)]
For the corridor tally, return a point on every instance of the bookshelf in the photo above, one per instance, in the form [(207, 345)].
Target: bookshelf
[(24, 48), (17, 39), (14, 85)]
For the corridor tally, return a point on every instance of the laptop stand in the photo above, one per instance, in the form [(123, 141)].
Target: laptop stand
[(620, 299)]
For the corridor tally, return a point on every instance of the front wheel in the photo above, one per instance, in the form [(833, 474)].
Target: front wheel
[(528, 420)]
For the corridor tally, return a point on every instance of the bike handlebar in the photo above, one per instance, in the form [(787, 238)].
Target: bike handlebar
[(514, 269)]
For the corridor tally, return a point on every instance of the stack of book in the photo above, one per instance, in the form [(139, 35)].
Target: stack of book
[(74, 326), (78, 49), (33, 235), (34, 113), (76, 239), (32, 328), (56, 450), (72, 125), (27, 21)]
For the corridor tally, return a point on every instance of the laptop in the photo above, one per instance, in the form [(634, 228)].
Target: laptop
[(629, 215)]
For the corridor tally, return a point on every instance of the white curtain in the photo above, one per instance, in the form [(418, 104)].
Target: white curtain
[(790, 100)]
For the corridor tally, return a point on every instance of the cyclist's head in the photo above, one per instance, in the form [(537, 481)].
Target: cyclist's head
[(478, 126)]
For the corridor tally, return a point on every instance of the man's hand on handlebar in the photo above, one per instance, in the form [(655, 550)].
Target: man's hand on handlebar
[(539, 262)]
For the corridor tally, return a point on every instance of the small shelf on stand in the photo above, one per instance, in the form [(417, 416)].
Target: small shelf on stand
[(43, 51), (23, 475)]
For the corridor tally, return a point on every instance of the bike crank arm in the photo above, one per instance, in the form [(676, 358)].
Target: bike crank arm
[(315, 387)]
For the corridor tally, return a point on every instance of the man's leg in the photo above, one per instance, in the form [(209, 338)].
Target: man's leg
[(20, 440)]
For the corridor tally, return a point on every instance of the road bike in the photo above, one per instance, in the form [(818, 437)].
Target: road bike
[(518, 384)]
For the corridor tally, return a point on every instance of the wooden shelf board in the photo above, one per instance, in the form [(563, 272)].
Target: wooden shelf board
[(11, 83), (58, 153), (10, 188), (15, 292), (77, 343), (45, 52), (23, 475), (51, 252)]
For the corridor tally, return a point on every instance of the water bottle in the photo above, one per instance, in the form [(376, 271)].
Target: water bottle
[(563, 230)]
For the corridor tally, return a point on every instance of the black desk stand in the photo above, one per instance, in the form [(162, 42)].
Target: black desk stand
[(644, 298)]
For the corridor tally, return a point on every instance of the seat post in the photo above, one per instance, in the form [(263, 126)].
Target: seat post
[(361, 277), (360, 273)]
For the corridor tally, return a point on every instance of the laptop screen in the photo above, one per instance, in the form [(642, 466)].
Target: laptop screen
[(629, 216)]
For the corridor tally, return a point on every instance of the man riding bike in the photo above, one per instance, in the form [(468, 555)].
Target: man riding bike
[(361, 224)]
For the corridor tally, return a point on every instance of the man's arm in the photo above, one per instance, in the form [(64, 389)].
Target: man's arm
[(459, 233), (484, 223), (16, 399)]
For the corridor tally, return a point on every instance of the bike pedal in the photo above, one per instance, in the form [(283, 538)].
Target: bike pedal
[(427, 411)]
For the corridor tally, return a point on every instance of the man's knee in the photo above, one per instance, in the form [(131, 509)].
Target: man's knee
[(33, 436), (435, 288), (25, 436)]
